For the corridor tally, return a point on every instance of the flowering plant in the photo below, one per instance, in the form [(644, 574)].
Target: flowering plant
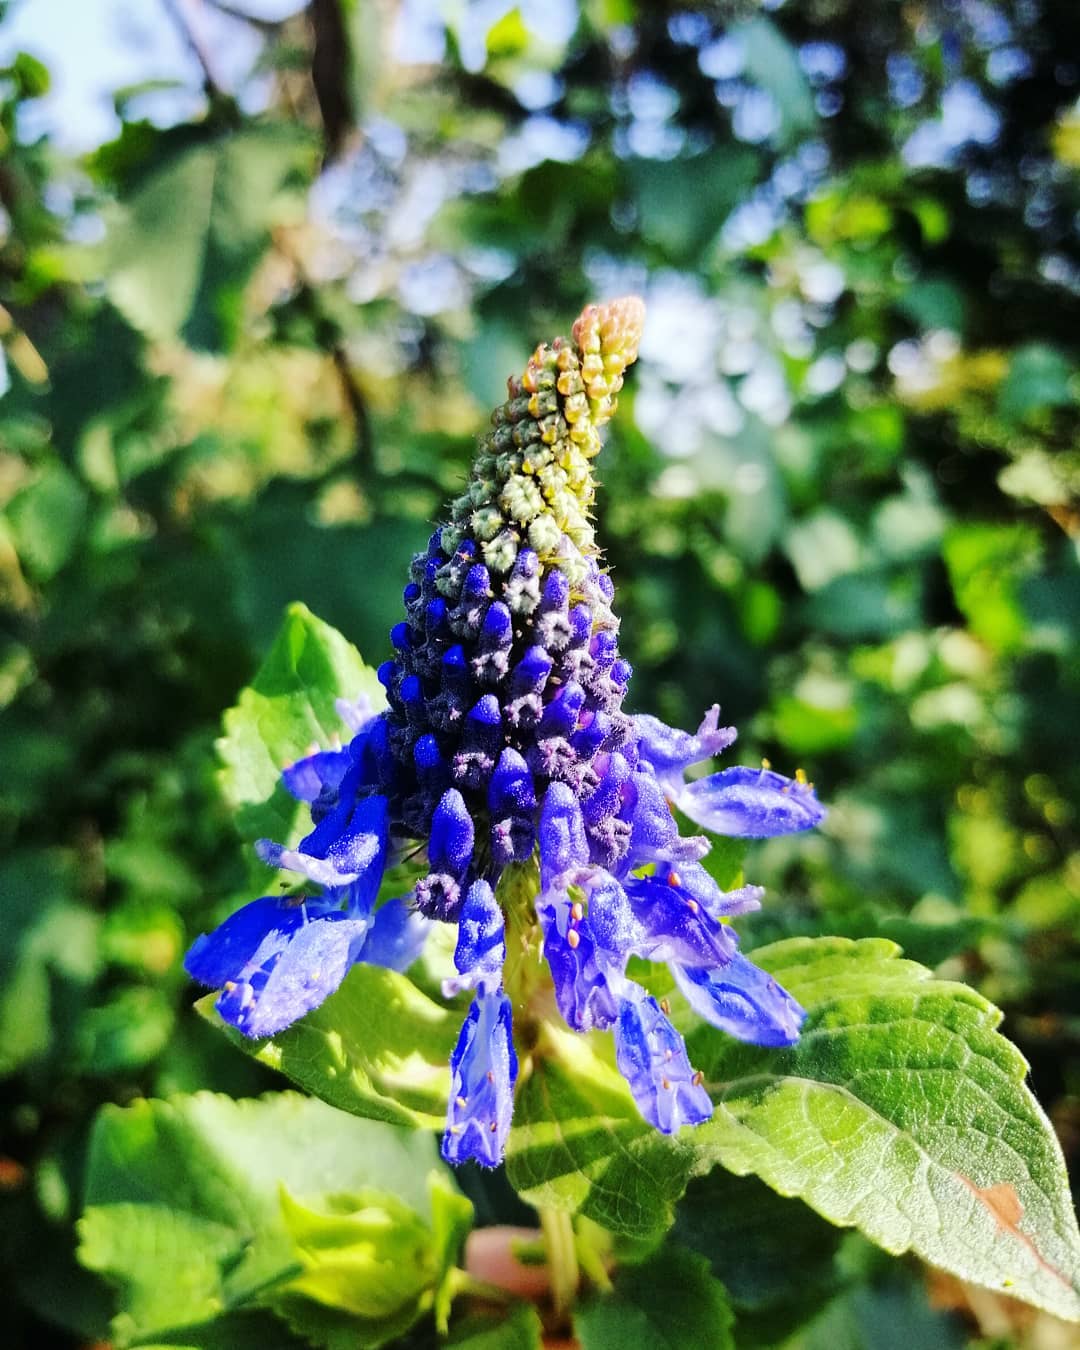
[(493, 926), (506, 756)]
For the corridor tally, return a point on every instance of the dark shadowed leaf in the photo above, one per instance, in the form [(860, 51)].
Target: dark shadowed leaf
[(668, 1303)]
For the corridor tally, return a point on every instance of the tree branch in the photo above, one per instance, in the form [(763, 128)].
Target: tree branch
[(178, 12)]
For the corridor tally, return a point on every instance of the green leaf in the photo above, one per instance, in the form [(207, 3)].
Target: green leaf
[(669, 1303), (371, 1263), (987, 564), (904, 1113), (50, 947), (191, 234), (127, 1031), (250, 1329), (377, 1047), (184, 1210), (766, 1247), (888, 1312), (46, 519), (901, 1112), (579, 1143), (451, 1220), (288, 707), (31, 76), (1038, 377), (776, 1257), (363, 1257), (934, 302), (677, 217), (519, 1330), (808, 728)]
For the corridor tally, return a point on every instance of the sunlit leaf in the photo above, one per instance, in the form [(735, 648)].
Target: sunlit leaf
[(378, 1047), (194, 229), (185, 1216), (900, 1112), (288, 708)]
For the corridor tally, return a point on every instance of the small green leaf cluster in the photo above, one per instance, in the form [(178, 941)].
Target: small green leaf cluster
[(343, 1229)]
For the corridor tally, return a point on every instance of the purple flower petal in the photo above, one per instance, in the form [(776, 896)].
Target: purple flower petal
[(654, 833), (356, 713), (396, 936), (481, 944), (356, 858), (321, 772), (279, 986), (750, 803), (742, 1000), (666, 923), (588, 982), (483, 1070), (332, 811), (512, 804), (652, 1058), (219, 956), (563, 845), (670, 752), (450, 845), (696, 881)]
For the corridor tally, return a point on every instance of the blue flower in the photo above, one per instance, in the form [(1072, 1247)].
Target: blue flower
[(483, 1069), (505, 760), (281, 956), (652, 1058), (278, 958)]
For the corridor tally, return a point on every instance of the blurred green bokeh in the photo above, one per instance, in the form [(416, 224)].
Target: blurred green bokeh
[(248, 343)]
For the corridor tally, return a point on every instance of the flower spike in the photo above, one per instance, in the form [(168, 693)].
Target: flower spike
[(544, 810)]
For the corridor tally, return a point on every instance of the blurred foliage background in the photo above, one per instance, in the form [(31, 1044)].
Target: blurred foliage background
[(254, 312)]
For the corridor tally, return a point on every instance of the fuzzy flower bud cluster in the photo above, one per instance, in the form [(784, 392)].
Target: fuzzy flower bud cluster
[(505, 752)]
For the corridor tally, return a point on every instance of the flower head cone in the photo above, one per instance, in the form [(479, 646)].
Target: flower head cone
[(541, 804)]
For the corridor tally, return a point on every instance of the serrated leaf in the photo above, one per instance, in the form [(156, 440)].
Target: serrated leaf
[(670, 1302), (378, 1047), (287, 707), (183, 1208), (371, 1264), (362, 1251), (900, 1112)]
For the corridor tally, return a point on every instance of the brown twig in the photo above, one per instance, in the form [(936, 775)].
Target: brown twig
[(178, 12)]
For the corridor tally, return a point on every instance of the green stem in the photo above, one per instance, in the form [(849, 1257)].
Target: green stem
[(558, 1227), (459, 1281), (594, 1249), (524, 971)]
